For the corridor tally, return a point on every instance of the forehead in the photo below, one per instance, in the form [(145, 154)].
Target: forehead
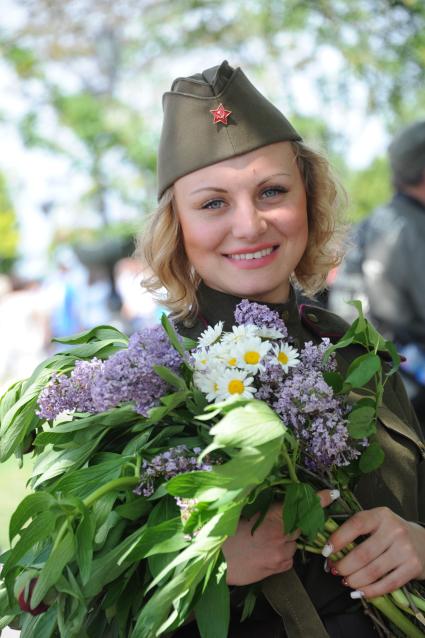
[(267, 160)]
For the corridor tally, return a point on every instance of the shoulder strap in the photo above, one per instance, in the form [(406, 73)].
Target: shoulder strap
[(290, 600)]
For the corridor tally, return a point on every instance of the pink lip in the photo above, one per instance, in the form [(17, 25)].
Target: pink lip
[(252, 264)]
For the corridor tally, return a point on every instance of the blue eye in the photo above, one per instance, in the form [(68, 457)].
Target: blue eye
[(272, 191), (213, 204)]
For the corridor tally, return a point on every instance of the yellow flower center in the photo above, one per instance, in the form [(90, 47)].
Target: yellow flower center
[(232, 361), (215, 387), (236, 386), (282, 358), (251, 357)]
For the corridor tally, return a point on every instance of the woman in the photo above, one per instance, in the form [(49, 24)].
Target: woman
[(246, 210)]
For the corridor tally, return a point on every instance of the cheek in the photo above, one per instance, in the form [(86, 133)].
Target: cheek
[(200, 237)]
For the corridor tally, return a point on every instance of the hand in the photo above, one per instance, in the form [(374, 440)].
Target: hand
[(393, 554), (252, 557)]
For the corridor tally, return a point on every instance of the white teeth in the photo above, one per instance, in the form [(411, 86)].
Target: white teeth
[(256, 255)]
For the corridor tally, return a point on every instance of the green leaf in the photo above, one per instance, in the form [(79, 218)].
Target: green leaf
[(372, 458), (346, 340), (98, 333), (190, 483), (62, 553), (42, 626), (161, 539), (334, 380), (215, 597), (361, 370), (84, 481), (170, 377), (395, 357), (134, 510), (28, 508), (38, 530), (84, 538), (362, 419), (172, 335), (302, 509), (251, 425), (105, 567)]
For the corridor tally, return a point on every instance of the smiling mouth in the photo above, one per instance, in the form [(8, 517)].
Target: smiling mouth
[(256, 255)]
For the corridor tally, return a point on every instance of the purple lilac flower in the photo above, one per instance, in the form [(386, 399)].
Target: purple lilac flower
[(129, 375), (66, 393), (308, 406), (166, 465), (259, 315), (311, 356)]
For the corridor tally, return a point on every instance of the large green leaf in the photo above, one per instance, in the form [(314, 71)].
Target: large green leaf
[(62, 553), (28, 508), (214, 597), (38, 530)]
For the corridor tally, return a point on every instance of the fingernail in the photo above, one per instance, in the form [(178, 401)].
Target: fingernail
[(356, 594), (326, 566), (334, 494), (334, 571), (345, 582), (327, 550)]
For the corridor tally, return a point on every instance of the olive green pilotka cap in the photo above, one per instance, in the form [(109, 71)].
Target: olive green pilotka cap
[(212, 116)]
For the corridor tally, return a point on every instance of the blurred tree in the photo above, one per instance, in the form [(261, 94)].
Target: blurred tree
[(368, 188), (81, 58), (9, 234)]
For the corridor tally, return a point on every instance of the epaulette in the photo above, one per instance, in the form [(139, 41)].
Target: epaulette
[(323, 323)]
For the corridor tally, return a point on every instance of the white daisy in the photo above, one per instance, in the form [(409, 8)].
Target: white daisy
[(210, 335), (269, 333), (286, 356), (239, 333), (235, 383), (251, 352), (207, 383), (225, 354), (202, 358)]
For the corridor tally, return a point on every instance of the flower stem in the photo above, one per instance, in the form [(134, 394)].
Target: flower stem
[(390, 611), (116, 484), (291, 468)]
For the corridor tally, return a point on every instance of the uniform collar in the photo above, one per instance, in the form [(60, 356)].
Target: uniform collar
[(217, 306)]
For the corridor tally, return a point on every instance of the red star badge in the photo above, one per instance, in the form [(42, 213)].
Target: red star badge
[(220, 114)]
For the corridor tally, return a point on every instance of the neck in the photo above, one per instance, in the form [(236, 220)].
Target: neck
[(417, 192)]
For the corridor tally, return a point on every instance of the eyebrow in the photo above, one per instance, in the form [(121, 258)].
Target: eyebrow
[(223, 190)]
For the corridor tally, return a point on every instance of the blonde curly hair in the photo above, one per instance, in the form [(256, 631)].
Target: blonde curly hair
[(161, 246)]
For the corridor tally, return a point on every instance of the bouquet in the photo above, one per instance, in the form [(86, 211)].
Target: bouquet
[(148, 450)]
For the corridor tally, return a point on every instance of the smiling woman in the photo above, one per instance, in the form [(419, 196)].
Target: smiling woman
[(247, 210)]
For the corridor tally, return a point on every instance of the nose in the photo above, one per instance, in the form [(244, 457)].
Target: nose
[(248, 221)]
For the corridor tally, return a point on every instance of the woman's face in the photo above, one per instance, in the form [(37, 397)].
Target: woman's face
[(244, 222)]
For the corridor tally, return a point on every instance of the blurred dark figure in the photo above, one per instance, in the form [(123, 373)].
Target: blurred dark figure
[(386, 266)]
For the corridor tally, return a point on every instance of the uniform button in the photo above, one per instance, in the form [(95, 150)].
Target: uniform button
[(285, 315), (295, 342), (312, 317), (188, 323)]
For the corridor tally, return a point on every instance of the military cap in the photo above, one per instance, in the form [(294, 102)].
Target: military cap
[(213, 116), (407, 154)]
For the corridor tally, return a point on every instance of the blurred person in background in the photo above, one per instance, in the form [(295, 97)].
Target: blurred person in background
[(139, 309), (385, 268), (24, 326)]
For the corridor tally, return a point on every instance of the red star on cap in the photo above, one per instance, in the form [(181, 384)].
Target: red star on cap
[(220, 114)]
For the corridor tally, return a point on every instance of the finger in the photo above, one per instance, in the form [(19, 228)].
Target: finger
[(360, 524), (389, 583), (327, 497), (362, 555), (373, 571)]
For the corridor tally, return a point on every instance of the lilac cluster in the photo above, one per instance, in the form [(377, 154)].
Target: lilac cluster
[(302, 398), (306, 403), (129, 375), (166, 465), (67, 393), (248, 312)]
